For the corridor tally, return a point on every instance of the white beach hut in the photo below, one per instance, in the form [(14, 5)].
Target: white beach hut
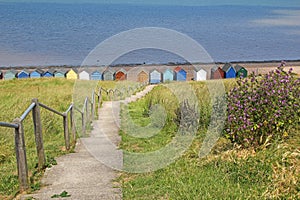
[(84, 75), (200, 75)]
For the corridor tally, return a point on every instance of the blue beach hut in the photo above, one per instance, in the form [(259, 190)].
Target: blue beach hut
[(23, 74), (48, 73), (229, 71), (180, 74), (36, 73), (168, 75), (155, 77), (96, 75)]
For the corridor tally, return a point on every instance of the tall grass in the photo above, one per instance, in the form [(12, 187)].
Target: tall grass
[(226, 173), (16, 96)]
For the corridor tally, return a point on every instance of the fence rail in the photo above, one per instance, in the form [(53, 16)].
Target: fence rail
[(9, 125), (69, 114)]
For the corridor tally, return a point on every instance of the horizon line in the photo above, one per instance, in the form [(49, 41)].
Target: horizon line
[(156, 64), (149, 4)]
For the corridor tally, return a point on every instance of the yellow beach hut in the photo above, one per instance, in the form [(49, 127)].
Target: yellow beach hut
[(71, 74)]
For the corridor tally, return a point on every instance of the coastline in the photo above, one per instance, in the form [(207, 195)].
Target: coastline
[(132, 70)]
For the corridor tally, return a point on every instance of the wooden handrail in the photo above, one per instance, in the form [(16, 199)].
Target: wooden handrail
[(34, 107), (69, 109), (25, 114), (51, 109), (8, 125)]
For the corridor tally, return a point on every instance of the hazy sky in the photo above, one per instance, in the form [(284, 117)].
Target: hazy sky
[(283, 3)]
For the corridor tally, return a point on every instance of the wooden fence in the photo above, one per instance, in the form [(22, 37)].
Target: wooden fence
[(35, 106)]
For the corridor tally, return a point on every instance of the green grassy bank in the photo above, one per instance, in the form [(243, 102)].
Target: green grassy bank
[(269, 172)]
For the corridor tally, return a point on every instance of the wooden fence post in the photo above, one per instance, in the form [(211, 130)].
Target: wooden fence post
[(83, 124), (21, 156), (100, 98), (93, 106), (36, 115), (73, 123), (66, 131), (87, 110)]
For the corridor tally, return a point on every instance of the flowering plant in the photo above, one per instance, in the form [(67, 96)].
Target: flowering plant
[(262, 109)]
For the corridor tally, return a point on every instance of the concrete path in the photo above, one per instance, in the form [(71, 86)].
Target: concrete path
[(89, 173)]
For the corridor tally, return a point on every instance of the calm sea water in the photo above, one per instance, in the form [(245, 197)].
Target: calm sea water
[(46, 34)]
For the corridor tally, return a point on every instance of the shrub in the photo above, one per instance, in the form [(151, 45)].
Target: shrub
[(261, 109)]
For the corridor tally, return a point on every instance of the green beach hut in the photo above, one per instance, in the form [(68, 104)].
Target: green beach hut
[(59, 74), (11, 74), (168, 75), (241, 71), (108, 75)]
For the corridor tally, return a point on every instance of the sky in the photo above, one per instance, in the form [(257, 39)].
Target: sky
[(280, 3)]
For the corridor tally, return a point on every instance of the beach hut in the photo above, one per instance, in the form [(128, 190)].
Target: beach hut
[(143, 77), (96, 75), (155, 77), (84, 75), (241, 71), (229, 71), (48, 73), (23, 74), (168, 75), (200, 75), (217, 73), (11, 74), (71, 74), (108, 75), (121, 75), (36, 73), (180, 74), (59, 74)]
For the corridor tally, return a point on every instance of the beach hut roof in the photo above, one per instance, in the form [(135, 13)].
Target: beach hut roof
[(68, 70), (215, 68), (238, 67), (62, 71), (97, 71), (177, 69), (109, 70), (168, 70), (23, 71), (84, 70), (51, 71), (87, 69), (12, 71), (155, 70), (75, 70), (38, 71), (198, 68), (226, 67), (121, 70)]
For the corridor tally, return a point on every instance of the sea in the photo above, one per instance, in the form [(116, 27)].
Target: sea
[(42, 34)]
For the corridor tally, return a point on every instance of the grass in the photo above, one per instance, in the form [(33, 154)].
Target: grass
[(226, 173), (15, 97)]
